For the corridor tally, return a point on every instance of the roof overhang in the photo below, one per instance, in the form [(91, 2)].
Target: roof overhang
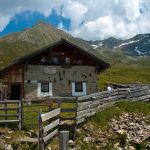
[(100, 63)]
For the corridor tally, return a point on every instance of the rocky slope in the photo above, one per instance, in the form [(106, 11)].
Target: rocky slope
[(139, 45)]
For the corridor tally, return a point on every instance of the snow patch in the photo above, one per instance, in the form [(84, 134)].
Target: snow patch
[(138, 51), (96, 46), (123, 44)]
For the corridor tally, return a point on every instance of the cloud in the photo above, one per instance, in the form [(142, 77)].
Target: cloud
[(75, 11), (91, 20)]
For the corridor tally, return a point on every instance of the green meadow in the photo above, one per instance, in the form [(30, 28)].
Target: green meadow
[(125, 73)]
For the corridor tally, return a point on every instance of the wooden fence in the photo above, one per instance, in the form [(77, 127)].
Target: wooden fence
[(11, 112), (58, 111), (33, 108), (90, 104), (46, 132)]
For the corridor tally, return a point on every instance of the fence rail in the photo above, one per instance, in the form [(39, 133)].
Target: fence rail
[(51, 129), (59, 111), (11, 112), (89, 105)]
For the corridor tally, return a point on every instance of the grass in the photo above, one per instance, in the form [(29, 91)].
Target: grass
[(125, 73), (31, 113), (103, 118)]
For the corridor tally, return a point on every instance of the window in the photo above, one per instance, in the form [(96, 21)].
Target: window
[(44, 60), (55, 60), (79, 62), (78, 87), (44, 87), (67, 60)]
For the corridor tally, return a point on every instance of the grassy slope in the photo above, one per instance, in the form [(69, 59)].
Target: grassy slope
[(104, 117), (125, 73)]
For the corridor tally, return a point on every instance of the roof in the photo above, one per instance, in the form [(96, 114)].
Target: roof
[(26, 57)]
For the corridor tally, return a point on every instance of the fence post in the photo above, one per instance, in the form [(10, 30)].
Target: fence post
[(40, 132), (20, 112), (63, 140), (5, 113), (75, 123)]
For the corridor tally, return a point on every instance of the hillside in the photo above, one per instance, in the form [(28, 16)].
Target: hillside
[(112, 50), (138, 45), (21, 43), (120, 54)]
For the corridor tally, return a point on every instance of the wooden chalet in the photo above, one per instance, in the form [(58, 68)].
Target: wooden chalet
[(60, 69)]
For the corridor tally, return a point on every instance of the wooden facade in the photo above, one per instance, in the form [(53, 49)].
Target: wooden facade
[(61, 64)]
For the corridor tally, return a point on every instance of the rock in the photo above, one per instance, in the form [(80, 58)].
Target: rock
[(71, 143), (29, 133), (8, 147), (10, 132), (78, 130), (49, 148), (121, 131), (131, 148), (89, 139), (7, 137)]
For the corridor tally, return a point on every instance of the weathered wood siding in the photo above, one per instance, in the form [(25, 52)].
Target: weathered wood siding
[(15, 75)]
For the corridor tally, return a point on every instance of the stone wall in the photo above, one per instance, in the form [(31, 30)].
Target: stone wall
[(61, 79)]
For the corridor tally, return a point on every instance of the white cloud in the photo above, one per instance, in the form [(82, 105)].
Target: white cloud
[(75, 11), (4, 20), (92, 19)]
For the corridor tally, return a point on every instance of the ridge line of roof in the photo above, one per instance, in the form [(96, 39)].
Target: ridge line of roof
[(38, 51)]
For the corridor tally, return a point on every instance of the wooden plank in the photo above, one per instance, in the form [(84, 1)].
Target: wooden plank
[(49, 136), (9, 102), (85, 111), (85, 103), (50, 114), (28, 139), (80, 120), (12, 108), (86, 115), (51, 125), (8, 121), (9, 115), (92, 105)]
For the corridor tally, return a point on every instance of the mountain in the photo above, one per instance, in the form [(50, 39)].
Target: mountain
[(113, 50), (19, 44), (138, 45)]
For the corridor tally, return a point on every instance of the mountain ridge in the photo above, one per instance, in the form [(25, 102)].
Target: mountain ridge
[(18, 44)]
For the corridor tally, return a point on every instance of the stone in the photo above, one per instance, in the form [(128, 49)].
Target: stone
[(71, 143), (88, 139), (131, 148), (121, 131), (7, 137), (10, 132), (49, 148), (8, 147)]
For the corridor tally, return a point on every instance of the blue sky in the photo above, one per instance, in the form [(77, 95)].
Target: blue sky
[(27, 19), (90, 20)]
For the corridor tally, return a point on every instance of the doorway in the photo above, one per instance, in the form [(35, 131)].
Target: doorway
[(15, 92)]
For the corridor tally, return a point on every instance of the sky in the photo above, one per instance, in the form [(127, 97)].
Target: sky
[(87, 19)]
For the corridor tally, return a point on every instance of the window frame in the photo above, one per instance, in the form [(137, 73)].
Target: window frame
[(84, 86), (44, 93)]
